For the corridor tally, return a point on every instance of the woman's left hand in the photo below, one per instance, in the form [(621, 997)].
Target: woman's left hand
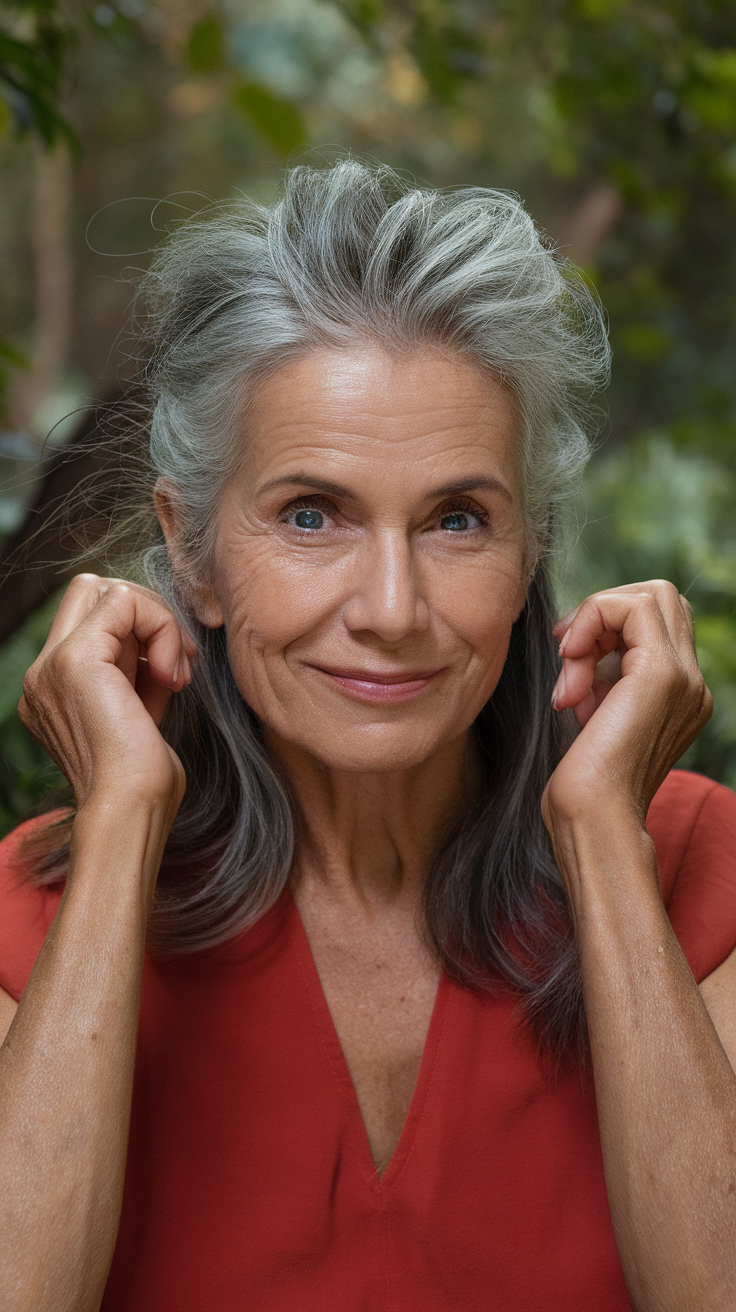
[(634, 729)]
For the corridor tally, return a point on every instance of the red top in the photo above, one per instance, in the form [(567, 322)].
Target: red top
[(250, 1183)]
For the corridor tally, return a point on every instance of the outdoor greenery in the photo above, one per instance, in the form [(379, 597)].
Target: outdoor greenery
[(614, 119)]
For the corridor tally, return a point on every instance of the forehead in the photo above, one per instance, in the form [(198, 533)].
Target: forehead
[(370, 409)]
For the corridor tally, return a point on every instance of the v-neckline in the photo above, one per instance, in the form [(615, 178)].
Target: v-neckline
[(341, 1071)]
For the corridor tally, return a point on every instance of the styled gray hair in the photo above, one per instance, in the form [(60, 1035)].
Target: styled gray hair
[(352, 254)]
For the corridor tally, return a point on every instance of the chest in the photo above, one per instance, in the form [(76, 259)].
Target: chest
[(380, 984), (250, 1182)]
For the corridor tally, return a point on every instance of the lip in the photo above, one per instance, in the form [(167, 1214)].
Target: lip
[(378, 685)]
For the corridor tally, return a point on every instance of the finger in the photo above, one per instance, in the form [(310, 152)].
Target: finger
[(561, 627), (687, 611), (609, 669), (124, 612), (578, 673), (665, 592), (155, 698), (621, 615), (81, 597), (592, 700), (624, 619)]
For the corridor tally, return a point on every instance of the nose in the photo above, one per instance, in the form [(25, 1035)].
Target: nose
[(386, 599)]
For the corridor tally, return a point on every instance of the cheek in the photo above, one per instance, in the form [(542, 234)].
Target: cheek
[(270, 600), (481, 604)]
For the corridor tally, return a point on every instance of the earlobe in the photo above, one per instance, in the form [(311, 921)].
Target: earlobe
[(206, 608), (200, 597)]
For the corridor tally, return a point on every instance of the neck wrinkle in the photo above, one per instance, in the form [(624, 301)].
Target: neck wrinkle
[(374, 834)]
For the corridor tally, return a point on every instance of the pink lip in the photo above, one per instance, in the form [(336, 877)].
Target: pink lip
[(375, 686)]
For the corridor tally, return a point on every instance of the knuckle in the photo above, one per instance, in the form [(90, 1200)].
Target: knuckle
[(31, 681), (676, 681), (84, 583), (115, 588), (63, 660)]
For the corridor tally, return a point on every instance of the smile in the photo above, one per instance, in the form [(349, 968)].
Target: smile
[(375, 686)]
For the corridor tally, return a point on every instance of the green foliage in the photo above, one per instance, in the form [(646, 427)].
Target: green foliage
[(275, 118), (447, 52), (655, 510), (32, 69), (644, 95), (206, 49), (10, 359), (555, 101), (27, 776), (365, 15)]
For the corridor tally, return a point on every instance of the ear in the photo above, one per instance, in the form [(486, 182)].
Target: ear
[(201, 596)]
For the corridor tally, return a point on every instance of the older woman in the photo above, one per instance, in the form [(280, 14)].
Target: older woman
[(392, 1053)]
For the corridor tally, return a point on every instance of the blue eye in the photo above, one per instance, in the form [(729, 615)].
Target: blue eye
[(309, 519), (458, 521)]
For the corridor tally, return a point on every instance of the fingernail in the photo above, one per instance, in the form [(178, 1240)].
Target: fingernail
[(176, 670)]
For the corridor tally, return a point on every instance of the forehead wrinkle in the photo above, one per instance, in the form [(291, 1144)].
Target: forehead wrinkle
[(303, 479), (334, 421)]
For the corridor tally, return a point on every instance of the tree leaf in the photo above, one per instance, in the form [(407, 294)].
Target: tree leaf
[(207, 45), (276, 119)]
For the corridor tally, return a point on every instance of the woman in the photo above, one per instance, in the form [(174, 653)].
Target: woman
[(361, 1078)]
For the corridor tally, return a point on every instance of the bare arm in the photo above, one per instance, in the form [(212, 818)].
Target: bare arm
[(66, 1071), (66, 1066), (665, 1089)]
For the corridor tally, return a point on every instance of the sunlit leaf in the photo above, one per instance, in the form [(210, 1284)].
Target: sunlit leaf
[(275, 118)]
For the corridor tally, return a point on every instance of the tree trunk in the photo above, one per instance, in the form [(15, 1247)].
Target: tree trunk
[(54, 278)]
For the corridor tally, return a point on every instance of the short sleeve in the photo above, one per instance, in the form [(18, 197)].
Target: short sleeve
[(692, 822), (26, 911)]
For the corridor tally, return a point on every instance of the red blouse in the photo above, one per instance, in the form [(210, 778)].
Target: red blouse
[(250, 1183)]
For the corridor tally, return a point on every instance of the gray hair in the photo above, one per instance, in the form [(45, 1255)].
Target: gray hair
[(350, 255)]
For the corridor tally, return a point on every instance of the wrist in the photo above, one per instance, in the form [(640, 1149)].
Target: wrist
[(119, 841), (605, 856)]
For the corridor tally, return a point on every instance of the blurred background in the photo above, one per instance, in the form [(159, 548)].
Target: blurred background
[(615, 120)]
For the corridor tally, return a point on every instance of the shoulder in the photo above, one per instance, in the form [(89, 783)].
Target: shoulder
[(692, 822), (26, 911)]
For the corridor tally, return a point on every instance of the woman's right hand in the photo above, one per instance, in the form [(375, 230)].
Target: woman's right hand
[(96, 695)]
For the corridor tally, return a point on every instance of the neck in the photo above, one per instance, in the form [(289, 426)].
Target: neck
[(373, 834)]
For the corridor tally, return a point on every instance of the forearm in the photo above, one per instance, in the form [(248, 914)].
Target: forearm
[(66, 1069), (665, 1090)]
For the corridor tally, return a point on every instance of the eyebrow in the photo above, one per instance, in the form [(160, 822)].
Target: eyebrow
[(473, 483)]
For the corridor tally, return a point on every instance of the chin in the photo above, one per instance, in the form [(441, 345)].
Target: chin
[(378, 749)]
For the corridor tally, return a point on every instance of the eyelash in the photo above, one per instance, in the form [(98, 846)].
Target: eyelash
[(465, 507), (461, 504), (308, 503)]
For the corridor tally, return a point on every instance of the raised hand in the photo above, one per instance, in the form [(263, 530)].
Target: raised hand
[(96, 695), (636, 728)]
